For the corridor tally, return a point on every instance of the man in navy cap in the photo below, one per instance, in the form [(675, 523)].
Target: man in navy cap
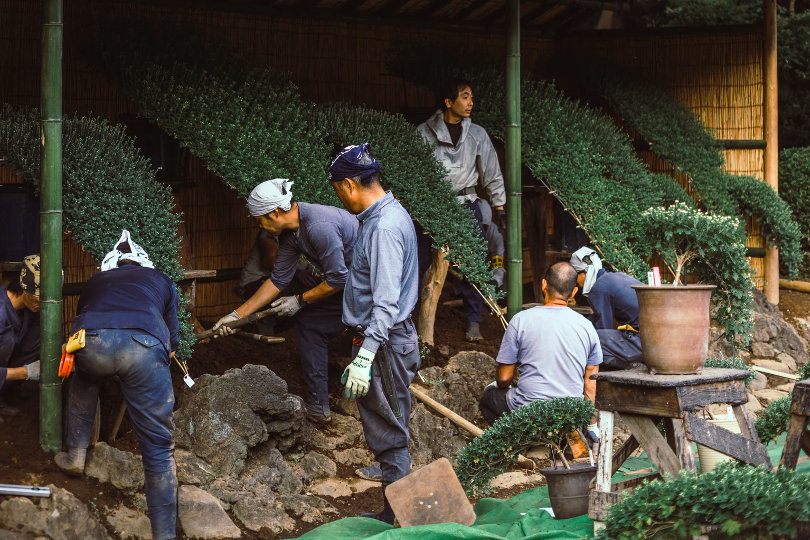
[(325, 236), (381, 292)]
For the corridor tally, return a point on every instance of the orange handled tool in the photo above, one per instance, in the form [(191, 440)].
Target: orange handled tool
[(65, 364)]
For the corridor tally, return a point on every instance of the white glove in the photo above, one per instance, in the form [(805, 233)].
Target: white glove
[(32, 371), (286, 306), (221, 330), (357, 375)]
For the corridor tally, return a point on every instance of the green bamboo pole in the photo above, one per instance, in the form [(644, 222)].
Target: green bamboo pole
[(514, 248), (50, 401)]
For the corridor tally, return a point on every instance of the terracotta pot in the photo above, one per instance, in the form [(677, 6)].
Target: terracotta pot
[(569, 489), (674, 325)]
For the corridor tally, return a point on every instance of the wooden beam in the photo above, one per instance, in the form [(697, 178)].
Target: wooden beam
[(747, 428), (432, 285), (800, 403), (771, 129), (725, 442), (651, 440), (796, 431), (472, 8), (624, 452)]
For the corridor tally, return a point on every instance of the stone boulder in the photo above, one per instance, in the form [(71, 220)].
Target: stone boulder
[(257, 514), (461, 383), (122, 469), (61, 516), (342, 432), (433, 437), (771, 327), (266, 468), (308, 508), (201, 515), (314, 466), (228, 414), (191, 469), (129, 523)]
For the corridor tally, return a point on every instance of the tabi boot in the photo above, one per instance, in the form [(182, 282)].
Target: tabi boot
[(473, 332), (387, 514), (371, 472), (72, 461), (316, 414)]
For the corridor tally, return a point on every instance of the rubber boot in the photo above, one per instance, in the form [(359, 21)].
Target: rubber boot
[(473, 332), (72, 461), (387, 514)]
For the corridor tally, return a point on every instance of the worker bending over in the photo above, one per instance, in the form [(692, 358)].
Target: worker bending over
[(381, 292), (129, 314), (467, 154), (615, 309), (555, 349), (19, 330), (326, 236)]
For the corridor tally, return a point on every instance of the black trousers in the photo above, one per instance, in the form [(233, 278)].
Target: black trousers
[(493, 403)]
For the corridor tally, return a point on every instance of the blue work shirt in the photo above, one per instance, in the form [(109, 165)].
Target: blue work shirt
[(15, 328), (612, 297), (383, 284), (326, 236), (130, 297)]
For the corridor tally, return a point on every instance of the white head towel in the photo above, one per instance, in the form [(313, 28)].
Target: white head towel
[(125, 250), (586, 260), (269, 195)]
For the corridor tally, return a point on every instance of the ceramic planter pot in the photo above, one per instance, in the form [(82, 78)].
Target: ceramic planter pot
[(709, 458), (674, 326), (569, 489)]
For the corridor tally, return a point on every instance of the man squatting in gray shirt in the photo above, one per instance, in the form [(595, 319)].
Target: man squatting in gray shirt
[(381, 292), (555, 349)]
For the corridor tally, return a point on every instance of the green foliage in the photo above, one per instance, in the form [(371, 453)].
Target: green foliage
[(540, 422), (793, 55), (711, 249), (741, 499), (794, 187), (712, 12), (107, 186), (416, 178), (804, 371), (731, 363), (680, 138), (772, 421)]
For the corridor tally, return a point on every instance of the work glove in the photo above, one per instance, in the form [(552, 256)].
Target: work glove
[(357, 375), (592, 435), (286, 306), (32, 370), (221, 330)]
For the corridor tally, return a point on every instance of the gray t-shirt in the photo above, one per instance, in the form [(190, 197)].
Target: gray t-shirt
[(551, 346)]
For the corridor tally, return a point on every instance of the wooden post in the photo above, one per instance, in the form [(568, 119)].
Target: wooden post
[(534, 223), (771, 135), (432, 286), (604, 460)]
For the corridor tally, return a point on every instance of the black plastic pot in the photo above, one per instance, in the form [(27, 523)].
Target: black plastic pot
[(568, 489)]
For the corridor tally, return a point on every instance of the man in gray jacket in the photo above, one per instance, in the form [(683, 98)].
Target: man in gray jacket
[(467, 153)]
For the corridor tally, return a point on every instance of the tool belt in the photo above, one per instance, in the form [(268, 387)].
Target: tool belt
[(74, 343), (466, 191), (628, 328)]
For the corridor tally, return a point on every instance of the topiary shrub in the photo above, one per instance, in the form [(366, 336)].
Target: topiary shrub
[(540, 422), (107, 186), (794, 187), (739, 501), (731, 363), (773, 420)]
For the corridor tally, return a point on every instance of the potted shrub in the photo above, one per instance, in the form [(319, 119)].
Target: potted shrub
[(674, 319), (539, 423)]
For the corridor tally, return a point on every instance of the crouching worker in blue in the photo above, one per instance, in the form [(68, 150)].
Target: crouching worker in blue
[(19, 329), (129, 314), (615, 309), (325, 235), (381, 292)]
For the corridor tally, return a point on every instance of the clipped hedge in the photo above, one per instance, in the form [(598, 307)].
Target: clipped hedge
[(794, 187), (107, 186), (741, 500), (773, 420), (540, 422)]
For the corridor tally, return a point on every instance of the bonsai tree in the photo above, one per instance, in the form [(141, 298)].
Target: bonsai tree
[(538, 423), (712, 250)]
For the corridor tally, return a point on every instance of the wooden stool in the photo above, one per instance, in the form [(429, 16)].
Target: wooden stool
[(642, 400), (797, 434)]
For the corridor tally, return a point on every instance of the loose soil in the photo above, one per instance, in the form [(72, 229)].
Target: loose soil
[(22, 461)]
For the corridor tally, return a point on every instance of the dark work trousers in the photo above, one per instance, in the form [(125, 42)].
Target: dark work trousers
[(315, 325), (493, 403), (620, 349), (23, 352), (142, 364), (386, 432)]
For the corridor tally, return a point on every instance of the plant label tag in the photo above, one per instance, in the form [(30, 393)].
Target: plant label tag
[(188, 380), (650, 279), (656, 276)]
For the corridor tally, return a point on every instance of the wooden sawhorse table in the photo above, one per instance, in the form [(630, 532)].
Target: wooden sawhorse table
[(797, 435), (641, 400)]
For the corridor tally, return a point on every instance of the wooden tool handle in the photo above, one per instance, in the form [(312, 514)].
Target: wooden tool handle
[(235, 324), (460, 421)]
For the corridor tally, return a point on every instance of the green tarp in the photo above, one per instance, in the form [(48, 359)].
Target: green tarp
[(520, 518)]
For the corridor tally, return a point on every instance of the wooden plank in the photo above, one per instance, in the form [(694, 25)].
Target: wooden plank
[(683, 447), (698, 396), (197, 274), (639, 376), (604, 469), (767, 371), (643, 400), (797, 429), (651, 440), (744, 421), (800, 402), (432, 285), (623, 453), (724, 441), (599, 502)]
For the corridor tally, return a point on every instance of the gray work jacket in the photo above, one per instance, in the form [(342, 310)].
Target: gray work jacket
[(472, 159)]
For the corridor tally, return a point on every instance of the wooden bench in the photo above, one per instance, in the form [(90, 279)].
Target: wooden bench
[(798, 438)]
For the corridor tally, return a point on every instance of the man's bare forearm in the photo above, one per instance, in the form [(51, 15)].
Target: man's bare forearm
[(319, 292), (263, 296)]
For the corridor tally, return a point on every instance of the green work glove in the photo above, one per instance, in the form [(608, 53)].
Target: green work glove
[(357, 375)]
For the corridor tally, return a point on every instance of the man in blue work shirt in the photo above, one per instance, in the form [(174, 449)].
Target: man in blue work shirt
[(381, 292), (615, 309), (325, 235), (129, 314), (19, 329)]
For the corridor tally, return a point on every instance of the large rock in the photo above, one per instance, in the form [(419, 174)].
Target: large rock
[(122, 469), (266, 467), (463, 381), (331, 487), (61, 516), (343, 431), (201, 515), (772, 328), (129, 523), (788, 360), (307, 508), (191, 469), (228, 414), (775, 365), (354, 457), (762, 350), (768, 395), (258, 514), (314, 466), (433, 437), (753, 405)]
